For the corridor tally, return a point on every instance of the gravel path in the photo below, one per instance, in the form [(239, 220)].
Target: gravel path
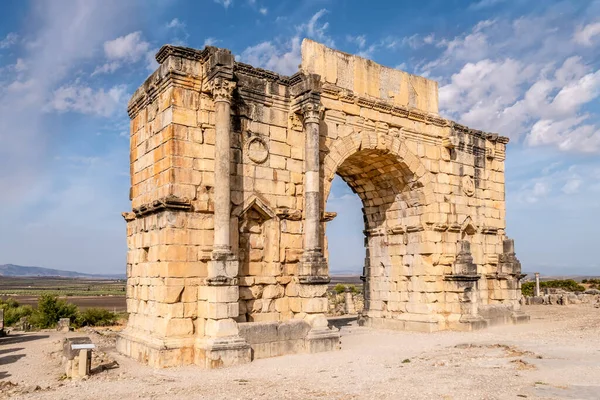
[(556, 356)]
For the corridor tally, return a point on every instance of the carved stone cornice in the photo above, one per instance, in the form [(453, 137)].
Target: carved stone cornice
[(157, 84), (183, 52), (345, 95), (165, 203), (222, 89)]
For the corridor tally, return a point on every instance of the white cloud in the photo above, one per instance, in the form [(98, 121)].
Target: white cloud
[(572, 186), (519, 78), (175, 23), (20, 65), (9, 40), (107, 68), (485, 4), (129, 48), (315, 29), (283, 59), (85, 100), (283, 55), (150, 59), (263, 10), (566, 134), (210, 41), (359, 40), (413, 41), (224, 3), (584, 35)]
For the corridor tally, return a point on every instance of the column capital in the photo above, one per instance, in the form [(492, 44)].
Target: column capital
[(222, 89), (311, 112)]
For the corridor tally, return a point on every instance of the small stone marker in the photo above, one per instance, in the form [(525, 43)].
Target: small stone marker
[(64, 325), (349, 307), (77, 352)]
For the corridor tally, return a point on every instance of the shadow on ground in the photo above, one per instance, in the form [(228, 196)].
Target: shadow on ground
[(20, 338), (340, 322)]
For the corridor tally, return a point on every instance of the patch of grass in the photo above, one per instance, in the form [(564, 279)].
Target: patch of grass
[(96, 317), (13, 312), (405, 361), (50, 309)]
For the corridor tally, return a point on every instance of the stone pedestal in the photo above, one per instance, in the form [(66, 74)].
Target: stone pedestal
[(64, 325), (222, 352)]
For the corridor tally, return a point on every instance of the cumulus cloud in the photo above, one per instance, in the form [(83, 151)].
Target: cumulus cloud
[(263, 10), (586, 34), (505, 81), (283, 55), (283, 58), (85, 100), (130, 47), (175, 23), (125, 49), (210, 41)]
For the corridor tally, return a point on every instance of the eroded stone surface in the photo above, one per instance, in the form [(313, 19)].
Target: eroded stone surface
[(231, 167)]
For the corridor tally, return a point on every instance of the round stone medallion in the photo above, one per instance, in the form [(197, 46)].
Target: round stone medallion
[(257, 151), (468, 186)]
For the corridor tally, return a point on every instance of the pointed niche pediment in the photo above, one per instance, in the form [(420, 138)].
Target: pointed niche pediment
[(256, 204), (468, 226)]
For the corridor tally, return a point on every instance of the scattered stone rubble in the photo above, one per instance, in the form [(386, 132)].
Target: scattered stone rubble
[(561, 297)]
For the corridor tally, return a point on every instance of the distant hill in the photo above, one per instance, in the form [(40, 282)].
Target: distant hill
[(21, 271)]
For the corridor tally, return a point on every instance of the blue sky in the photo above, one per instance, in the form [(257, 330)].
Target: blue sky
[(525, 69)]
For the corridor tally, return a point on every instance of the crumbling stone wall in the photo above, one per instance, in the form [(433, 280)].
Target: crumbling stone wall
[(231, 167)]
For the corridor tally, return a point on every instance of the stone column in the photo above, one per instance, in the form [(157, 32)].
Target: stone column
[(537, 284), (222, 93), (221, 345), (313, 268)]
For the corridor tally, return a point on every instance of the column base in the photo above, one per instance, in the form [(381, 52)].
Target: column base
[(222, 269), (313, 267), (154, 351), (212, 353)]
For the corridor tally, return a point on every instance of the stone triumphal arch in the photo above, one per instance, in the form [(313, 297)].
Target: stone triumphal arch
[(231, 167)]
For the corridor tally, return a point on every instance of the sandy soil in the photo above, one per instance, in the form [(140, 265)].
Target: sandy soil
[(556, 356)]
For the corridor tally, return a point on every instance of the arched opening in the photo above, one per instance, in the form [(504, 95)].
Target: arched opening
[(392, 204), (345, 237)]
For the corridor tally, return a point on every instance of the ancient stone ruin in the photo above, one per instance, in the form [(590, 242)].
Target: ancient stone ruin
[(231, 168)]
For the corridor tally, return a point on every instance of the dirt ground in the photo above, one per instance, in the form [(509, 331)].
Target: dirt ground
[(555, 356)]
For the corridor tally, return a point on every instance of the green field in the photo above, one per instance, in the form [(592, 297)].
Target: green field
[(61, 286)]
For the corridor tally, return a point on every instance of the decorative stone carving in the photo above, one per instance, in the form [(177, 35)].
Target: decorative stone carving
[(311, 112), (257, 150), (222, 89), (468, 186), (464, 265)]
